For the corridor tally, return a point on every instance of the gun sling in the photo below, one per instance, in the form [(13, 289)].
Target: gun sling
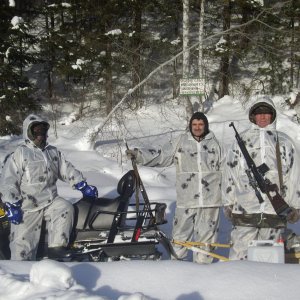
[(279, 165), (258, 220)]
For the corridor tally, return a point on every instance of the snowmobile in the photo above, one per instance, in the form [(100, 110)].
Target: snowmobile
[(108, 229), (114, 229)]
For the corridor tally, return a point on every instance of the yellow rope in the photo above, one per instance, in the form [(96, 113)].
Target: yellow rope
[(194, 247), (201, 244)]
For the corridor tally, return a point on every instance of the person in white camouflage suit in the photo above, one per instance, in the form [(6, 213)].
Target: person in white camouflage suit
[(29, 193), (252, 220), (197, 157)]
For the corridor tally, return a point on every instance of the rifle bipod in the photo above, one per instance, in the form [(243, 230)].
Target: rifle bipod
[(200, 247)]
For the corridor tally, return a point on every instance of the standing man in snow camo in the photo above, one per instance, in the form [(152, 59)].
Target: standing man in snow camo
[(29, 193), (251, 219), (197, 157)]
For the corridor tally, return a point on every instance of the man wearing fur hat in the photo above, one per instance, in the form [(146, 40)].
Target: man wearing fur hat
[(197, 157), (29, 193), (253, 219)]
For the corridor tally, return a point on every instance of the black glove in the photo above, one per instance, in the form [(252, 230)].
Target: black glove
[(293, 216)]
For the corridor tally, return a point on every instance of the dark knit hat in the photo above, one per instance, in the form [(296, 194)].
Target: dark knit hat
[(199, 116), (262, 108)]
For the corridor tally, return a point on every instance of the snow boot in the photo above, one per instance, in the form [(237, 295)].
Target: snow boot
[(60, 253)]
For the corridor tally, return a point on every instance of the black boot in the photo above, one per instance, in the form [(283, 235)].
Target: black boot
[(59, 253)]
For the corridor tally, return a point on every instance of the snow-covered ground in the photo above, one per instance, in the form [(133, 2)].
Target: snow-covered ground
[(165, 279)]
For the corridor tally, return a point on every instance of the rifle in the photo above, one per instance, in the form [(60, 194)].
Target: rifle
[(259, 183), (141, 215)]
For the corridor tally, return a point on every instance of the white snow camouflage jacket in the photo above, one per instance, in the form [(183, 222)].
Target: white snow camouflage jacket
[(261, 145), (198, 174), (30, 173)]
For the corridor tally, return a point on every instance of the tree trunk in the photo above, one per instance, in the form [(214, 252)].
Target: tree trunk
[(49, 66), (185, 40), (108, 78), (200, 58), (175, 80), (292, 50), (49, 62), (201, 34), (224, 65), (136, 58), (186, 53)]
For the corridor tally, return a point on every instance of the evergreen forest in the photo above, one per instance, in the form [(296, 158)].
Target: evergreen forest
[(94, 54)]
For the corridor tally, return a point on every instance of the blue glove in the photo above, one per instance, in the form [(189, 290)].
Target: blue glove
[(14, 212), (87, 190)]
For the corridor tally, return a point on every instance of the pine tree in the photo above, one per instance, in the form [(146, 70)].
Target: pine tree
[(16, 55)]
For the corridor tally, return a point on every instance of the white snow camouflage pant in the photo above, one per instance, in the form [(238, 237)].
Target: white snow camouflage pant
[(24, 238), (242, 235), (196, 224)]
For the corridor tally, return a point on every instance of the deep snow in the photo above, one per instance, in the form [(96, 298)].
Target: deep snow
[(165, 279)]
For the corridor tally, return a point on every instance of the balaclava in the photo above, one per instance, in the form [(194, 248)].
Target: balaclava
[(199, 116), (37, 132)]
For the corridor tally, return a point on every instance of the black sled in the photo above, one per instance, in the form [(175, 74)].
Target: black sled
[(115, 229)]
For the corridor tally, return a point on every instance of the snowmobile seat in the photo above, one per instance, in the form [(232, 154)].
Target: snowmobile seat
[(99, 214)]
